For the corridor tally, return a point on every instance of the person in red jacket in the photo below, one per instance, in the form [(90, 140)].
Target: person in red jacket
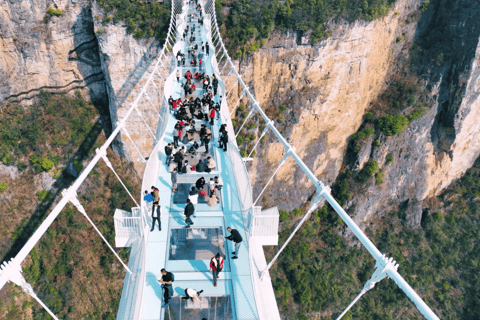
[(212, 116), (216, 266)]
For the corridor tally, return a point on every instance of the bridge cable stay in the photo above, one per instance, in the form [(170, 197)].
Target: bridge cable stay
[(390, 269), (252, 110), (72, 197), (11, 270), (261, 136), (235, 106)]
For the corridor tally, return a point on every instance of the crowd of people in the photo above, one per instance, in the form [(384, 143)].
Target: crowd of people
[(195, 116)]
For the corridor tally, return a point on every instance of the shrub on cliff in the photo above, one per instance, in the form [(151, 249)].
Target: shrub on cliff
[(391, 124), (54, 12), (368, 170)]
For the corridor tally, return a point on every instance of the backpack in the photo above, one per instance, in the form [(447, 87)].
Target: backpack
[(184, 169)]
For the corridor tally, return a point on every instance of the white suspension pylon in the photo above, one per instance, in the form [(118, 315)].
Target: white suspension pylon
[(287, 154), (14, 273), (380, 273), (103, 154), (71, 195)]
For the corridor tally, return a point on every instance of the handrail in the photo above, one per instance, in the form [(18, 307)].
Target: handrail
[(324, 191), (15, 263)]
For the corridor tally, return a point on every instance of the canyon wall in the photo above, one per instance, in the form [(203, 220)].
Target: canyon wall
[(328, 87)]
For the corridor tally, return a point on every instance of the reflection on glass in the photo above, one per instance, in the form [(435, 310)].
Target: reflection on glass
[(196, 243)]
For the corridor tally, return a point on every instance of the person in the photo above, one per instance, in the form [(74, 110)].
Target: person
[(217, 110), (173, 176), (170, 101), (178, 73), (168, 153), (216, 266), (215, 85), (211, 186), (211, 163), (218, 183), (200, 183), (193, 295), (187, 168), (156, 194), (235, 237), (201, 166), (212, 116), (224, 140), (207, 46), (212, 200), (206, 141), (200, 64), (166, 281), (189, 211), (148, 197), (156, 215), (193, 196), (175, 137)]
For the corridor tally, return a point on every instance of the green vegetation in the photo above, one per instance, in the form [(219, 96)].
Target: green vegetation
[(439, 58), (53, 124), (363, 133), (248, 19), (399, 38), (43, 195), (391, 124), (440, 260), (8, 159), (389, 159), (54, 12), (416, 114), (100, 31), (425, 5), (239, 140), (3, 186), (143, 19), (71, 269), (376, 143), (368, 170), (379, 176)]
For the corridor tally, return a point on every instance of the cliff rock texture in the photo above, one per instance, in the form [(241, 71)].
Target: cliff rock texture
[(328, 87), (50, 53), (127, 64)]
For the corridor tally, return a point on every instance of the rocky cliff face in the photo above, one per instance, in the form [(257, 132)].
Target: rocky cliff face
[(50, 53), (127, 63), (328, 87), (56, 54)]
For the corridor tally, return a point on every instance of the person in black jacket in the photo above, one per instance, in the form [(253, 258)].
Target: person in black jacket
[(215, 85), (168, 153), (224, 139), (235, 237), (166, 281), (156, 215), (200, 183), (201, 166), (189, 211)]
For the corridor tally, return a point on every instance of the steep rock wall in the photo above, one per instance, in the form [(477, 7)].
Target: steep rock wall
[(127, 63), (326, 89), (438, 148), (56, 55)]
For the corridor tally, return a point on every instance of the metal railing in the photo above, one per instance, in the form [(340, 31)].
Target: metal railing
[(384, 267), (11, 270)]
